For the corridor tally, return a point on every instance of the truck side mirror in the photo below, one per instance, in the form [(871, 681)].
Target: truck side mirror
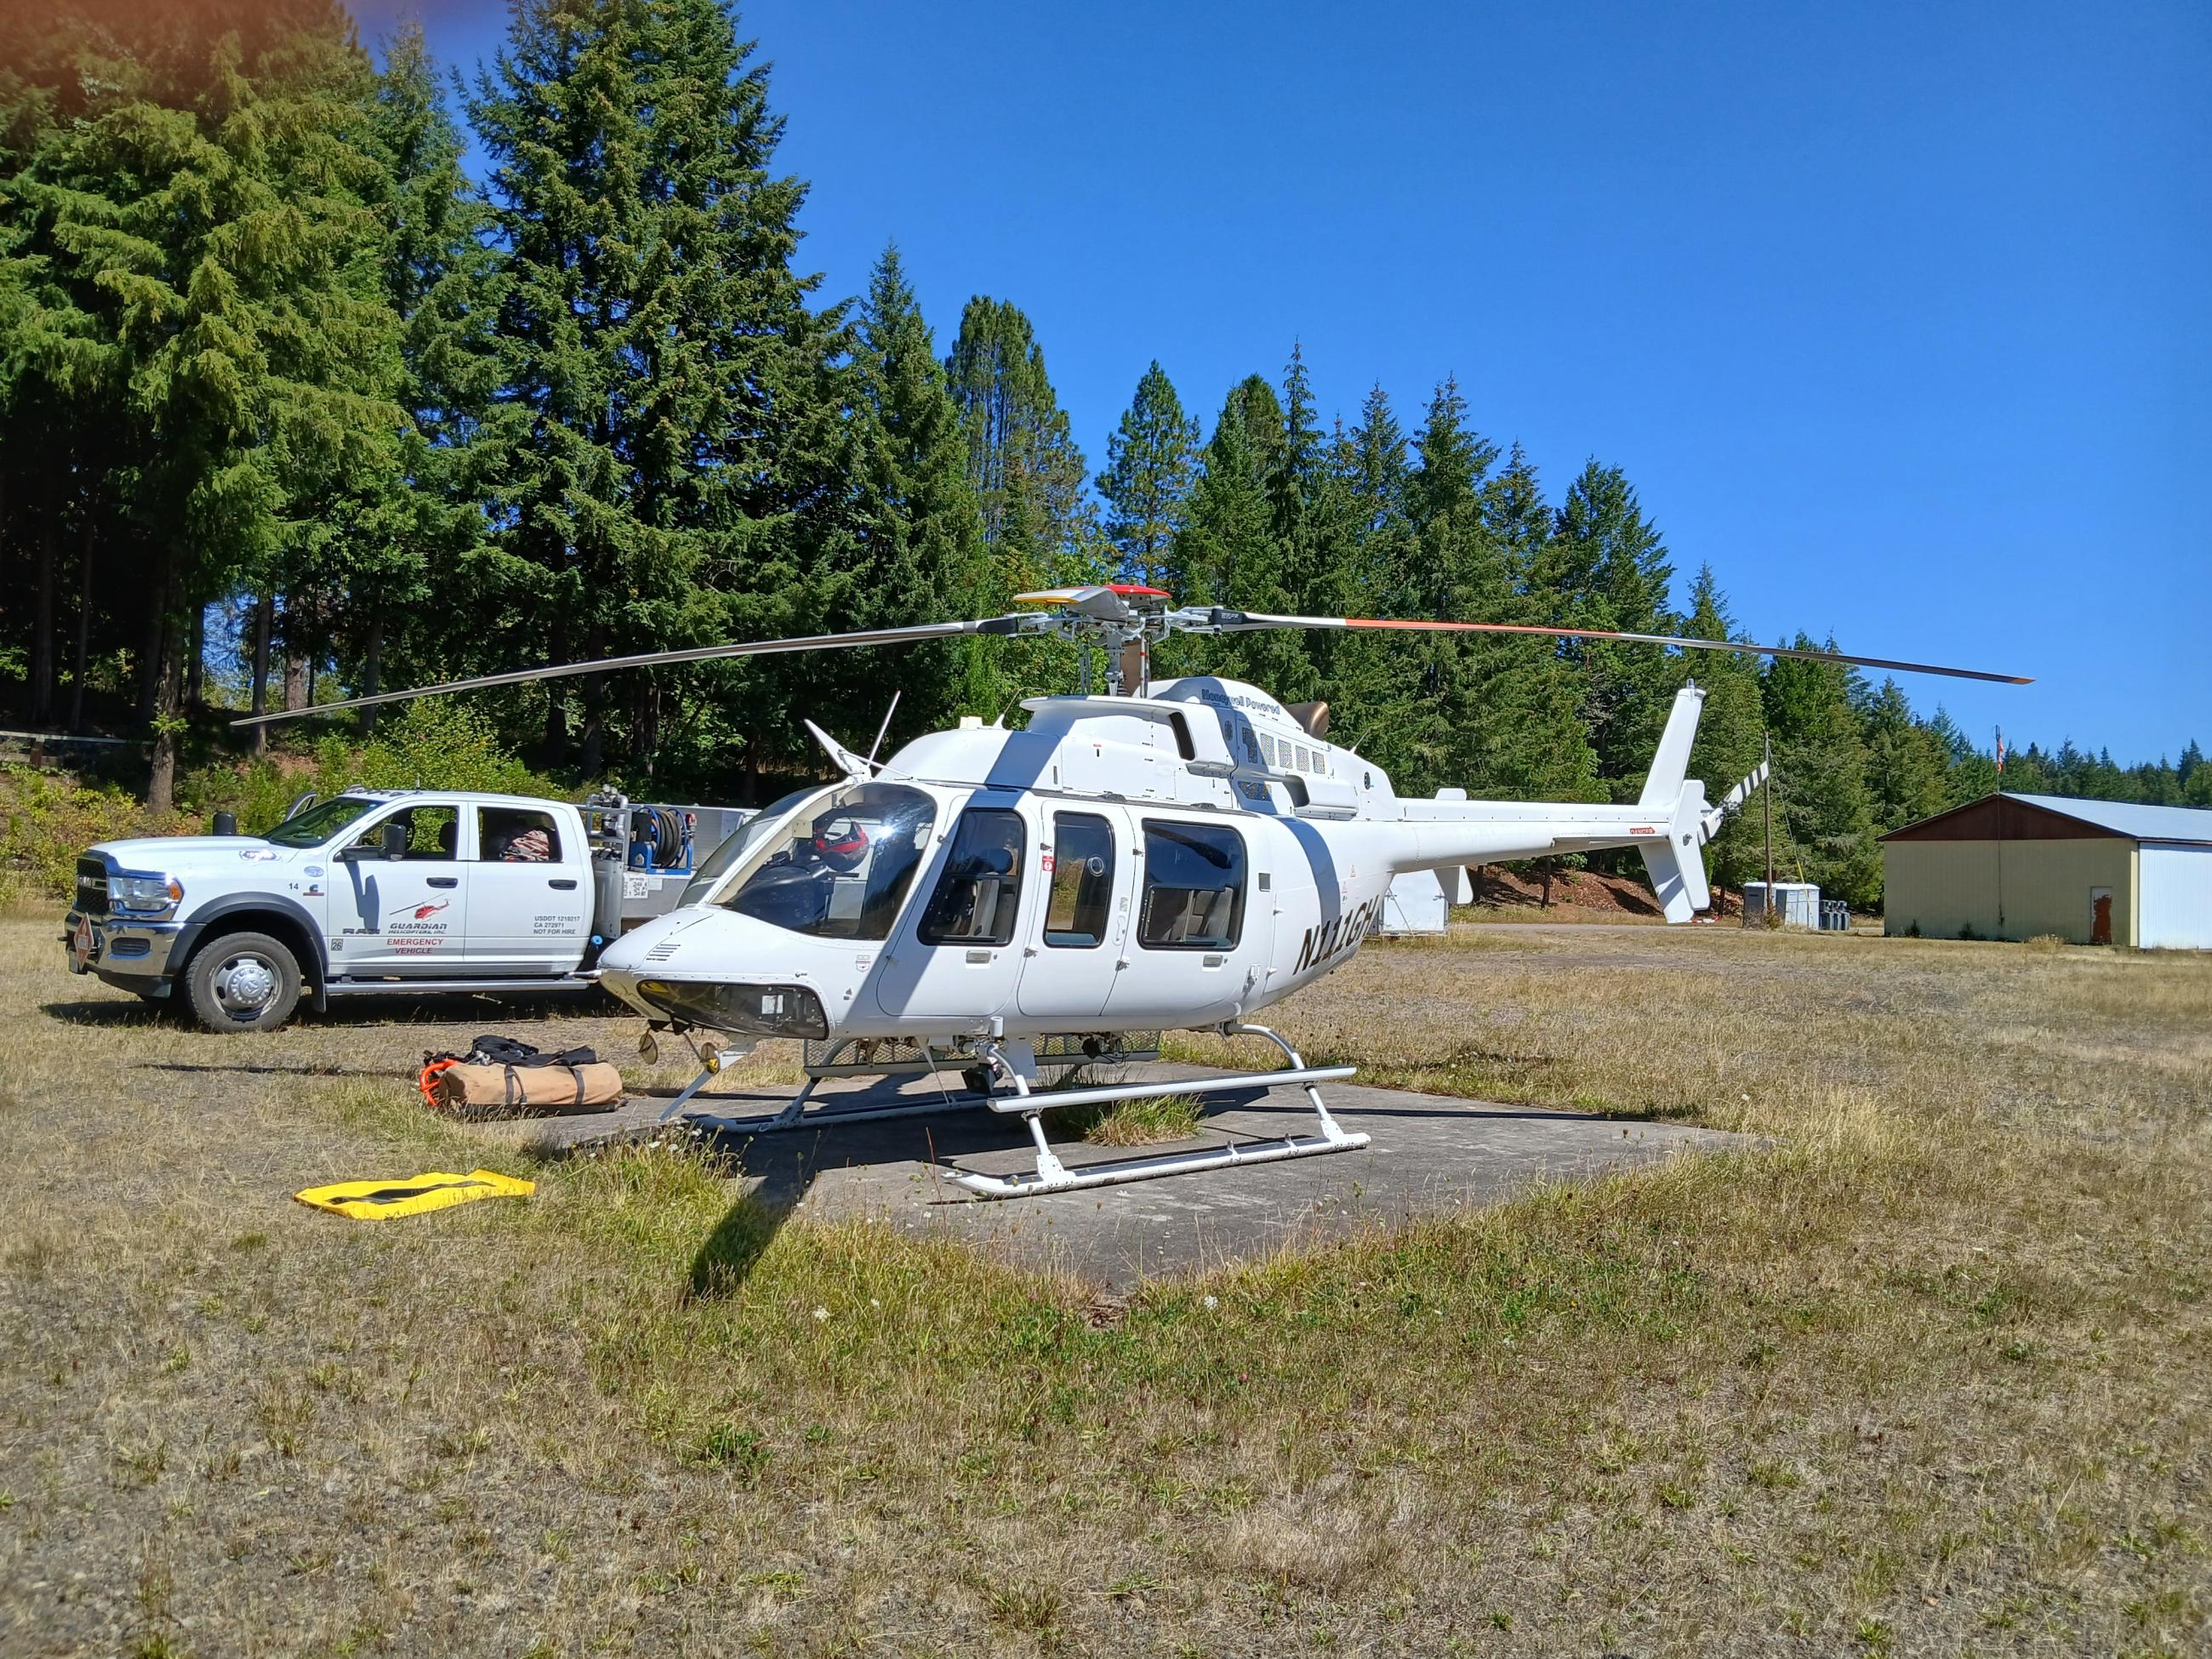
[(395, 839)]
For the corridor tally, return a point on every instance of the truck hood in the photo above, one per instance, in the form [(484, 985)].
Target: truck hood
[(170, 854)]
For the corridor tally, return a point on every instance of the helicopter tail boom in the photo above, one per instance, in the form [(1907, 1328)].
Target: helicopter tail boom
[(1666, 824)]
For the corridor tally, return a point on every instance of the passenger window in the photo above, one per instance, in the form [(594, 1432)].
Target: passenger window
[(1082, 881), (1194, 887), (507, 835), (430, 831), (982, 886)]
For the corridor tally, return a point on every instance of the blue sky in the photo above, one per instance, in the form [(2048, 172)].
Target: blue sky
[(1900, 316)]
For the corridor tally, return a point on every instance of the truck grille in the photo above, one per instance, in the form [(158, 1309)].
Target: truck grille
[(92, 887)]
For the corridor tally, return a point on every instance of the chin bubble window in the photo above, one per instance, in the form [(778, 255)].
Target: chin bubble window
[(784, 1010), (976, 896), (1194, 887), (840, 868)]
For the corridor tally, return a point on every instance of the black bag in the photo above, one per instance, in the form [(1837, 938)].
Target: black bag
[(491, 1050)]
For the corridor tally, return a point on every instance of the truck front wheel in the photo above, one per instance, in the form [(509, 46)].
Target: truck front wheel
[(243, 982)]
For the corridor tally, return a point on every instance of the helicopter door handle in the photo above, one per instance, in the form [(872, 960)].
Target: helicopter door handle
[(566, 884), (445, 881)]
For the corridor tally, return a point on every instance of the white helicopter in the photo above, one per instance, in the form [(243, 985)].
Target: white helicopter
[(988, 903)]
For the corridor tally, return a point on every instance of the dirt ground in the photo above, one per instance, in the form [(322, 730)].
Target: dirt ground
[(1926, 1373)]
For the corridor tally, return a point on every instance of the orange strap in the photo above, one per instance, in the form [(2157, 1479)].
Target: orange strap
[(428, 1082)]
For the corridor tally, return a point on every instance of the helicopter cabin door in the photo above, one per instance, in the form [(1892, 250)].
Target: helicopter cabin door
[(1076, 936), (954, 955), (1199, 920)]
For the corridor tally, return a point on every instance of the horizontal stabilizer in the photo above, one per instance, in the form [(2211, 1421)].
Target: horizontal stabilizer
[(1731, 802)]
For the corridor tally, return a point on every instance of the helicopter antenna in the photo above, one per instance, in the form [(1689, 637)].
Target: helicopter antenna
[(881, 730)]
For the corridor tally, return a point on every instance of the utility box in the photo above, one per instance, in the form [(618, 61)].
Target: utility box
[(1796, 904), (1420, 902)]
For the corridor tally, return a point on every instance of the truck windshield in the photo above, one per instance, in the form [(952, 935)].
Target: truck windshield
[(741, 842), (318, 824), (840, 867)]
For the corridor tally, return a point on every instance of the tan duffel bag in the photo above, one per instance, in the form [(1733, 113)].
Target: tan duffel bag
[(527, 1091)]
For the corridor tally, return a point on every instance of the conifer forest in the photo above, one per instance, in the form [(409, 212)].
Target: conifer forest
[(291, 407)]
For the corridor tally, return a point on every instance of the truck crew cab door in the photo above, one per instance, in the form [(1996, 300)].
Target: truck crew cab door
[(530, 892), (399, 916)]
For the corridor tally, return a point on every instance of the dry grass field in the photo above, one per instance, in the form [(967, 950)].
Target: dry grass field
[(1927, 1371)]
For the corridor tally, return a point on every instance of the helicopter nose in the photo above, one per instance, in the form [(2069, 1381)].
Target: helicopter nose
[(734, 973)]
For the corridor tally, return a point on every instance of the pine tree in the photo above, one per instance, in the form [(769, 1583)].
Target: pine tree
[(204, 203), (1518, 518), (1606, 567), (1906, 762), (1380, 476), (403, 550), (1374, 680), (1823, 811), (1152, 466), (669, 444), (1312, 522), (921, 544), (1731, 732), (1023, 461), (1294, 480), (1226, 553), (1493, 714)]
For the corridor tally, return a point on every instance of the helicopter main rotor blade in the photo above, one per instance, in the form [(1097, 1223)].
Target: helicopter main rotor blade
[(1241, 621), (649, 659)]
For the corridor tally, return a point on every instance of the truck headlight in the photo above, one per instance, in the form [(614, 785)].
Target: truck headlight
[(144, 894)]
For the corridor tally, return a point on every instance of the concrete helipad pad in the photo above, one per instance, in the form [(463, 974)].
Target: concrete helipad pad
[(1428, 1152)]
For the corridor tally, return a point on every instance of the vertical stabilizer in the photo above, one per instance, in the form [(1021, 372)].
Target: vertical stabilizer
[(1671, 765), (1676, 865)]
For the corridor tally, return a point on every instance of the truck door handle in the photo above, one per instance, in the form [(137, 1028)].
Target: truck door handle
[(445, 881), (566, 884)]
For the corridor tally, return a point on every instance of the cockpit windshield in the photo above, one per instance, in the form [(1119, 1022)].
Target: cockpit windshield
[(738, 846), (839, 867)]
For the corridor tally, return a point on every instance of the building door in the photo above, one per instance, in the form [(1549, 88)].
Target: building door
[(2100, 915)]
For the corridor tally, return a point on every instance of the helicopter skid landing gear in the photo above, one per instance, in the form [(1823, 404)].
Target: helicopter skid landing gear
[(1054, 1176)]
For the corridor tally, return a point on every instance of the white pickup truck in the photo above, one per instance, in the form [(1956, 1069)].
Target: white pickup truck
[(378, 891)]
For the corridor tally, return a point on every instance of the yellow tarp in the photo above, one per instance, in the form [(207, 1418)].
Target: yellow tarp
[(372, 1201)]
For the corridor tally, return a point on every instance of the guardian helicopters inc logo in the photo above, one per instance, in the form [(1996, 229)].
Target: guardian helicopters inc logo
[(407, 914)]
